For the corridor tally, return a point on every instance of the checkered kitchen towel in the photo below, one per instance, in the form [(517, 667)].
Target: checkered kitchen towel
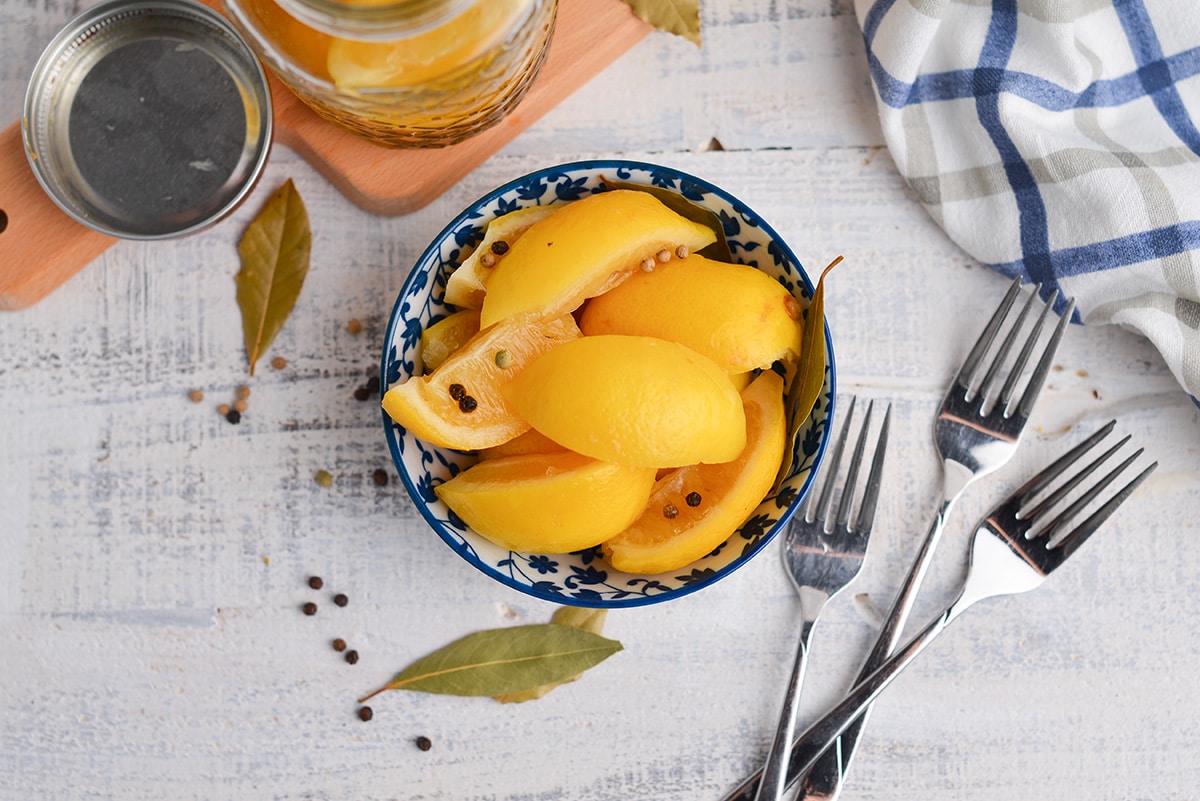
[(1057, 140)]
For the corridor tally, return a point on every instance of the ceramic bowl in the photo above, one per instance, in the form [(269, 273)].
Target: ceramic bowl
[(583, 578)]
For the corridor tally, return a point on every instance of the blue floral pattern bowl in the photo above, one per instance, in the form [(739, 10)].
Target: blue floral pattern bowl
[(583, 578)]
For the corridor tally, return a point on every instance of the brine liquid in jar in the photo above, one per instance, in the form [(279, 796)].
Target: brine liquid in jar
[(404, 73)]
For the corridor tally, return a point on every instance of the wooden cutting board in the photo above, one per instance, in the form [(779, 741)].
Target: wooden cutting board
[(41, 247)]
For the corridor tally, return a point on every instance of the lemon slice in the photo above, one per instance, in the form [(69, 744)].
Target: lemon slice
[(357, 64)]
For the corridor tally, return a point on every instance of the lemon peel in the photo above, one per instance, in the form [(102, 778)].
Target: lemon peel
[(584, 249), (547, 502), (735, 314), (664, 539), (632, 400)]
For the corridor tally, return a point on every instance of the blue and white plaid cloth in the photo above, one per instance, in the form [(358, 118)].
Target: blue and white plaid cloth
[(1057, 140)]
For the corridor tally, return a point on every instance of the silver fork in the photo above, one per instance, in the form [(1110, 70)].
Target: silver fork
[(1016, 546), (821, 556), (975, 432)]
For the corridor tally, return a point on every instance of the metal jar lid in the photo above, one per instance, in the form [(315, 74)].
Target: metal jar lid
[(147, 119)]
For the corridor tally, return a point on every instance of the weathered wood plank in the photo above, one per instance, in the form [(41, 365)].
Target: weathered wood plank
[(154, 556)]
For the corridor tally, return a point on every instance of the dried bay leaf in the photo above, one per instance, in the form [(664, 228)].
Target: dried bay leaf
[(275, 253), (581, 618), (680, 17), (809, 378), (810, 375), (501, 661), (587, 619)]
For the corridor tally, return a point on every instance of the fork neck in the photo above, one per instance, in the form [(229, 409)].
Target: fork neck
[(955, 478)]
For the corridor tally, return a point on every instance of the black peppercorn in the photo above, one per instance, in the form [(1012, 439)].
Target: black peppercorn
[(467, 404), (457, 391), (233, 416), (670, 511), (424, 743), (499, 247), (693, 499), (339, 645), (340, 599), (365, 713), (380, 477), (361, 394), (373, 384), (352, 657), (309, 608), (315, 582)]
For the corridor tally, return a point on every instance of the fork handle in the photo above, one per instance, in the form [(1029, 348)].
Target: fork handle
[(822, 780), (775, 773), (818, 737)]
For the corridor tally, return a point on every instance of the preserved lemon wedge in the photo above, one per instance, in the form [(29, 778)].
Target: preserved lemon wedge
[(735, 314), (460, 404), (447, 335), (547, 503), (694, 509), (467, 284), (532, 441), (582, 250), (638, 401)]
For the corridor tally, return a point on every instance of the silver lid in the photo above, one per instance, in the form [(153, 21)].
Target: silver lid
[(147, 119)]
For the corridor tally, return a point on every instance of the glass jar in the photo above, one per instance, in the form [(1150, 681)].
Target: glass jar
[(402, 73)]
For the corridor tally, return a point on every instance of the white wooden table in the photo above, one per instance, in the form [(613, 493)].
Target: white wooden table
[(153, 557)]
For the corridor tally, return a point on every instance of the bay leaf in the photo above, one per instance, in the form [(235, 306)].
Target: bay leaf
[(507, 660), (581, 618), (587, 619), (275, 252), (809, 378), (717, 251), (680, 17)]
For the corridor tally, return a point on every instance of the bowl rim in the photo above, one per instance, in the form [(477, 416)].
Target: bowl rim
[(467, 215)]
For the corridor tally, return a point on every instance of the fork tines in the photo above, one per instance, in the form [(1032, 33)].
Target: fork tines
[(1036, 502), (819, 504), (986, 386)]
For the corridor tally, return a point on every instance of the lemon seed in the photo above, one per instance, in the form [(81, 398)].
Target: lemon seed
[(792, 307)]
